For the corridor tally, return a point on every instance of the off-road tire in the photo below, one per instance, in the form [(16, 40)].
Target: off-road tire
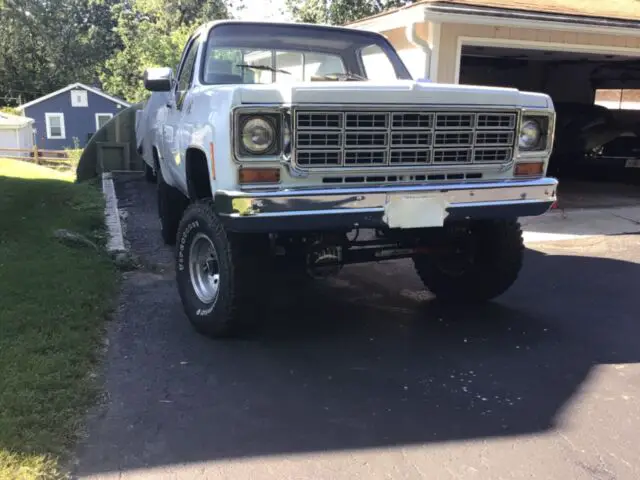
[(149, 174), (238, 263), (497, 256), (171, 205)]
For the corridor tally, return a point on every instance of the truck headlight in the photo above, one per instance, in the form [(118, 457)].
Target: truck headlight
[(530, 133), (258, 135), (533, 133)]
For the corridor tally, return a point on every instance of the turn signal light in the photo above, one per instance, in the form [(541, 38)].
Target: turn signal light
[(259, 175), (529, 169)]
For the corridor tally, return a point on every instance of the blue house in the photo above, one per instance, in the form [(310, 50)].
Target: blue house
[(76, 111)]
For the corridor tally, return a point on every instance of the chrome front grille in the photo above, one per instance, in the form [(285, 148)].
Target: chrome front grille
[(404, 157), (369, 139), (453, 139), (319, 140), (494, 138), (364, 157), (365, 139), (319, 119), (492, 155), (454, 120), (411, 139), (319, 159)]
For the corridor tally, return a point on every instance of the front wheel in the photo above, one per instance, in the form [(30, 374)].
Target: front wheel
[(213, 272), (480, 262)]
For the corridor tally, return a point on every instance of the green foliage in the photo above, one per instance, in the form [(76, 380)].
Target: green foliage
[(74, 154), (339, 12), (48, 45), (54, 302), (10, 110), (153, 34)]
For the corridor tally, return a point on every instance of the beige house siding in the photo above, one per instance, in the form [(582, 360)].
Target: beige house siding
[(451, 32), (398, 36)]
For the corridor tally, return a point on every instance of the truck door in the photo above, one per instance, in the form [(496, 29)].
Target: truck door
[(174, 143)]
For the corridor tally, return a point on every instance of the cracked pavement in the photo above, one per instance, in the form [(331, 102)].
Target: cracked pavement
[(366, 377)]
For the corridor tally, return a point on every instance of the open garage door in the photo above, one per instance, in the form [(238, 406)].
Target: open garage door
[(597, 99)]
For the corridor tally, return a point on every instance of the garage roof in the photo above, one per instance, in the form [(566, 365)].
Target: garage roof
[(620, 9), (611, 9)]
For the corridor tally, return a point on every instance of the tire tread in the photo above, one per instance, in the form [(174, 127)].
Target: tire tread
[(234, 316), (500, 263)]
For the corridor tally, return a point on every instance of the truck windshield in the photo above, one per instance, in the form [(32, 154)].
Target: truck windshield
[(238, 53)]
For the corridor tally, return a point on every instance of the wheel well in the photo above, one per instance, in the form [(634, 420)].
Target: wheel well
[(197, 175), (156, 159)]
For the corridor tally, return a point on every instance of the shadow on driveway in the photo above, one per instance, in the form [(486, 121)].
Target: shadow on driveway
[(370, 361)]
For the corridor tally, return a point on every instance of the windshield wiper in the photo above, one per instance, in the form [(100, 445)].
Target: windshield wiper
[(339, 76), (262, 67)]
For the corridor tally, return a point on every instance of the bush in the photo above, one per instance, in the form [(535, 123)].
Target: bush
[(74, 154), (10, 110)]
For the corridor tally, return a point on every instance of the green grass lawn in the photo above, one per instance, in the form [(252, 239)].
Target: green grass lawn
[(54, 300)]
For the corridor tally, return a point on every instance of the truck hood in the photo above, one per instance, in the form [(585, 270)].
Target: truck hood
[(405, 92)]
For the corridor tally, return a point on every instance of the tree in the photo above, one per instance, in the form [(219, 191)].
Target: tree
[(339, 12), (48, 45), (9, 110), (153, 33)]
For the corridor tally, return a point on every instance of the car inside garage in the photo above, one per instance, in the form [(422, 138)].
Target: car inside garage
[(597, 99)]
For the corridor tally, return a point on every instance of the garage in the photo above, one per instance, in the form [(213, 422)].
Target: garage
[(598, 114), (585, 55)]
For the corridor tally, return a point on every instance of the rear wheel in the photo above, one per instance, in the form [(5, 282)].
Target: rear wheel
[(171, 205), (482, 260), (217, 273)]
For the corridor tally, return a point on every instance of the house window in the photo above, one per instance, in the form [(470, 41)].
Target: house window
[(55, 125), (102, 119), (79, 98)]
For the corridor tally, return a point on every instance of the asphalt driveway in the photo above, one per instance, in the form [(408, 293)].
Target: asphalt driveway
[(366, 377)]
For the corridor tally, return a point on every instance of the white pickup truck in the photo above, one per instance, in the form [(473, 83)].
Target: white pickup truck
[(274, 144)]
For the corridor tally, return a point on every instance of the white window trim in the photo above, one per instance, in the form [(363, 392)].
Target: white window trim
[(105, 114), (84, 96), (47, 117)]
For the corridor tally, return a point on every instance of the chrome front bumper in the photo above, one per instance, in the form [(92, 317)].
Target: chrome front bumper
[(364, 207)]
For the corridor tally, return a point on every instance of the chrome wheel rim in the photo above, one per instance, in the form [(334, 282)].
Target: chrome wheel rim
[(204, 269)]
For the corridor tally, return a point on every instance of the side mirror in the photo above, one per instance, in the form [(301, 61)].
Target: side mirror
[(158, 79)]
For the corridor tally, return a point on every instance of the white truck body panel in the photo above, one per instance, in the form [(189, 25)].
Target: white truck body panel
[(204, 121), (205, 118)]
